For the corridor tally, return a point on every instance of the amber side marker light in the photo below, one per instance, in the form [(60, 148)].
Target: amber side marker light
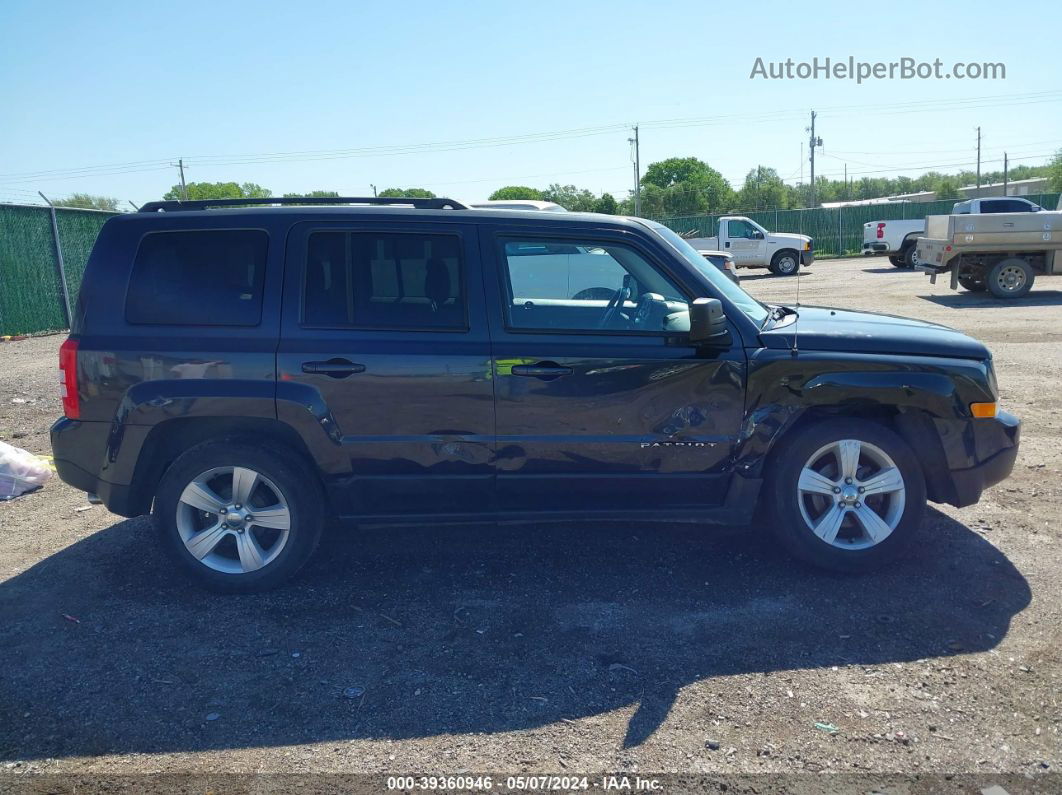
[(983, 410)]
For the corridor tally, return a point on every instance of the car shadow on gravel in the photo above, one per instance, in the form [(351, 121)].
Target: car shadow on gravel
[(416, 632), (985, 301)]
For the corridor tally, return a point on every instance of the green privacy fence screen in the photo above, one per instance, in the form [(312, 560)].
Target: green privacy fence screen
[(31, 292), (837, 231)]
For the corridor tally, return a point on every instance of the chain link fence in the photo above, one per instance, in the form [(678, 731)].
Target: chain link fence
[(838, 231), (31, 286)]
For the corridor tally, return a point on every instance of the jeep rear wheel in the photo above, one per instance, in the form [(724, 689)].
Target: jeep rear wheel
[(238, 517), (846, 495)]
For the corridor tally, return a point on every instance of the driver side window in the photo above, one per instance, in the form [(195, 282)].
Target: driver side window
[(587, 285), (739, 229)]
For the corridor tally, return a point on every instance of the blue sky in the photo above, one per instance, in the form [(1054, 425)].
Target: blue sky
[(141, 84)]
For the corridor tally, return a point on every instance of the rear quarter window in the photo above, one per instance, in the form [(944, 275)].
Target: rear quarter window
[(198, 278)]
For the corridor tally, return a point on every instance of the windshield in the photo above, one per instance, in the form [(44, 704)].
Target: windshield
[(752, 308)]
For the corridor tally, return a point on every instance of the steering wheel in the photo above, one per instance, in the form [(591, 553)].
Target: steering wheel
[(647, 304), (614, 304)]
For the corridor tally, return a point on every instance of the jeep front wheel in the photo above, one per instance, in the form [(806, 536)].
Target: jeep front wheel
[(239, 518), (846, 495)]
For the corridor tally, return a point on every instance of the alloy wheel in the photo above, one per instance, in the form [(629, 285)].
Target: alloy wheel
[(851, 494), (233, 519)]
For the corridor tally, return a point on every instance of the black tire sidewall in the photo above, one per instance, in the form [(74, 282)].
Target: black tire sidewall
[(993, 278), (789, 525), (776, 263), (909, 256), (300, 487)]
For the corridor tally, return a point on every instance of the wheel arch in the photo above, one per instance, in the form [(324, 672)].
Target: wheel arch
[(915, 426), (169, 439)]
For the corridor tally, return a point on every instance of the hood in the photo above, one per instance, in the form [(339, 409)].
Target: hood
[(791, 236), (824, 329)]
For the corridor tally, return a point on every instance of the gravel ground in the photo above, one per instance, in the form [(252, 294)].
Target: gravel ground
[(555, 648)]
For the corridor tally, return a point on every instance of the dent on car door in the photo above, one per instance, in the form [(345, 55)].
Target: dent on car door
[(385, 340), (598, 408)]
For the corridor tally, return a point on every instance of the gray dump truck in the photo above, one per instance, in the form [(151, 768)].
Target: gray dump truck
[(1001, 253)]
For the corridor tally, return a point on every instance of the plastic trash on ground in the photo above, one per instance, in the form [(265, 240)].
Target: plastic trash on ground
[(21, 471)]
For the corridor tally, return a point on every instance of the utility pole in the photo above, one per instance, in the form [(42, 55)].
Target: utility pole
[(1005, 164), (179, 165), (846, 182), (373, 190), (979, 160), (637, 171), (812, 143)]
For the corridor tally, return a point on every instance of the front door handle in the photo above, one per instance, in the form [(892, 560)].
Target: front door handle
[(547, 371), (335, 368)]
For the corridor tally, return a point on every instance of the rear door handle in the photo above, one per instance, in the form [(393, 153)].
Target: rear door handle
[(336, 368), (543, 370)]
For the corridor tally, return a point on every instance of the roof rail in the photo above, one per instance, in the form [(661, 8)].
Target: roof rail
[(203, 204)]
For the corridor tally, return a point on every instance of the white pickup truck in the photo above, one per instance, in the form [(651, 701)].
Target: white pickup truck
[(897, 238), (752, 246)]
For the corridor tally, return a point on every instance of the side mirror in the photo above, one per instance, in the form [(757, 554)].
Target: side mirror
[(707, 320), (757, 234)]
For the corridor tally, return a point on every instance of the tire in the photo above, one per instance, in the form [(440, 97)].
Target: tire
[(854, 546), (897, 261), (785, 263), (908, 254), (222, 548), (1010, 278)]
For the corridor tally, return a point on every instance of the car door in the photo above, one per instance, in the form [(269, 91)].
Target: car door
[(740, 242), (384, 332), (597, 414)]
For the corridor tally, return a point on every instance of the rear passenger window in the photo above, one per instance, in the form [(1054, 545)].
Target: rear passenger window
[(200, 278), (381, 280)]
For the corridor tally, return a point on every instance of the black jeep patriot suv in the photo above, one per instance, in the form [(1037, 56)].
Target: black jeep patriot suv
[(245, 372)]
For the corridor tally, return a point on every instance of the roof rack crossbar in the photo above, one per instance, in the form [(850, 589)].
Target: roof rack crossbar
[(439, 203)]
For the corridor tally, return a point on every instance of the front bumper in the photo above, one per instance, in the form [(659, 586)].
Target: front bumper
[(807, 257), (981, 455)]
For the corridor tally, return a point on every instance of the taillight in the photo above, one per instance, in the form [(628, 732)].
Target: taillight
[(881, 231), (68, 379)]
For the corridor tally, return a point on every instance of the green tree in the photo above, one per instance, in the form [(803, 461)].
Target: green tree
[(570, 197), (407, 193), (684, 186), (516, 192), (220, 190), (88, 201), (606, 204), (947, 188), (1054, 172), (763, 190), (313, 194)]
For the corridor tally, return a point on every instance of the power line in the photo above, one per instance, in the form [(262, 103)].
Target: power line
[(923, 106)]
